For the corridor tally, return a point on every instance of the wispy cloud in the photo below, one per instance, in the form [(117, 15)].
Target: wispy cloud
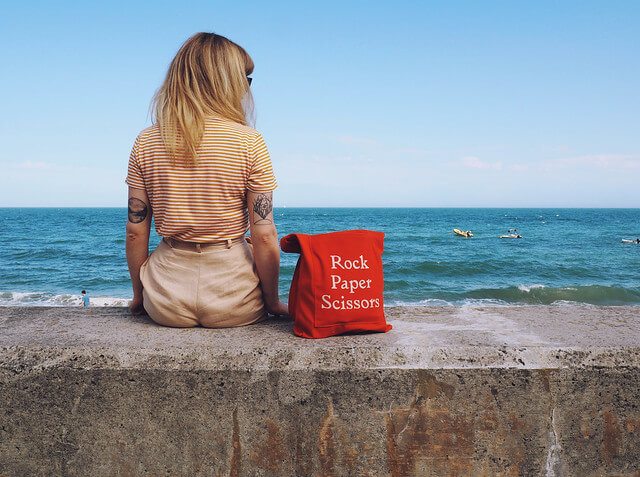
[(483, 147), (596, 161), (602, 162), (518, 167), (39, 165), (36, 166), (340, 159), (472, 162), (349, 140), (556, 149), (376, 146), (416, 151)]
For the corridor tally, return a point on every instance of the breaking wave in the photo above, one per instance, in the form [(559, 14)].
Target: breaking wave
[(49, 299), (534, 295)]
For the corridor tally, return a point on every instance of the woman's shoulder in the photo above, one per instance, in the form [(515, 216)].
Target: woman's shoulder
[(232, 127), (151, 131), (148, 138)]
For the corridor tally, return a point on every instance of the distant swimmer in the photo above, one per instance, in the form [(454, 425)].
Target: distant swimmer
[(85, 299)]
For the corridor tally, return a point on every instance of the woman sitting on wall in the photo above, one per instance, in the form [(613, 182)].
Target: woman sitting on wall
[(203, 174)]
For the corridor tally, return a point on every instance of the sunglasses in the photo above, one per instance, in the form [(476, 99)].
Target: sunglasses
[(249, 80)]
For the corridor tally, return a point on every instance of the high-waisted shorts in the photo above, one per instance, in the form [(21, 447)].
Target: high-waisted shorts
[(216, 287)]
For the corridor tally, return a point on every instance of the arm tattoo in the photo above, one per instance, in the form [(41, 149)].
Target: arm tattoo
[(263, 206), (137, 211)]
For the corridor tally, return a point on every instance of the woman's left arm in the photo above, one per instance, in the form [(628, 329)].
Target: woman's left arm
[(137, 242)]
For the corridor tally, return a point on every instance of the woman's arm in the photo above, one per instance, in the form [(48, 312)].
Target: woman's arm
[(266, 249), (137, 242)]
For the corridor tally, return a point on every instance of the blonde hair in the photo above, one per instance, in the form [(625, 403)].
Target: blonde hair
[(208, 76)]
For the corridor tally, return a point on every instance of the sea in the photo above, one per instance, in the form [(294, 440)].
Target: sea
[(48, 255)]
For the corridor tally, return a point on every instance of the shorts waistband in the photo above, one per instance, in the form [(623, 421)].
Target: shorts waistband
[(200, 246)]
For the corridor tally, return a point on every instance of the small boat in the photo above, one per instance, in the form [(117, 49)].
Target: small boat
[(511, 236), (630, 241), (463, 234)]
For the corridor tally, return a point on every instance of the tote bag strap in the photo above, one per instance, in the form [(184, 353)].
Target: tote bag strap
[(291, 243)]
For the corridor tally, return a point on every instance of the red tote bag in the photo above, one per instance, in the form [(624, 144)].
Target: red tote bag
[(338, 282)]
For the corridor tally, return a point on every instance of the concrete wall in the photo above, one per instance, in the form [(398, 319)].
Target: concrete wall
[(449, 391)]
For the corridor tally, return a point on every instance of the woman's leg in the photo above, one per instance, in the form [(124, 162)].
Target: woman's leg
[(169, 279), (229, 292), (168, 316)]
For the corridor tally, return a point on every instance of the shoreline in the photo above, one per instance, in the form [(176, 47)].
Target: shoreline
[(118, 302)]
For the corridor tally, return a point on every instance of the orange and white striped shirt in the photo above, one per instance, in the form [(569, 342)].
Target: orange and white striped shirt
[(205, 202)]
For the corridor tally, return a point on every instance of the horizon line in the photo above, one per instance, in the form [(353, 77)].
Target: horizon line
[(338, 207)]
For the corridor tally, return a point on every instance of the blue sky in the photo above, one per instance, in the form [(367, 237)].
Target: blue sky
[(496, 103)]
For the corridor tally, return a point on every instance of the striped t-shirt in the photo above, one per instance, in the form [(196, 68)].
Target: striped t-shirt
[(205, 202)]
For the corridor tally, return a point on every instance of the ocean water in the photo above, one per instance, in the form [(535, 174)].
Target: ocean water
[(48, 255)]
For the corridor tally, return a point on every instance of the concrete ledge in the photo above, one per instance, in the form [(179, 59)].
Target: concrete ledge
[(449, 391)]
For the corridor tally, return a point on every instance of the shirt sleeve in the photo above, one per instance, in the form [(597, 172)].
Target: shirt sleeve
[(261, 177), (134, 175)]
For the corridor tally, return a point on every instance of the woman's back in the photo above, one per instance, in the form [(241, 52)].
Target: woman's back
[(205, 201)]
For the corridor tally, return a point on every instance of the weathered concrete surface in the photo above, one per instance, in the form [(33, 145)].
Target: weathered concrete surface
[(449, 391)]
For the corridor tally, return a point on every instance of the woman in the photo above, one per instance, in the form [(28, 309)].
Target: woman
[(203, 173)]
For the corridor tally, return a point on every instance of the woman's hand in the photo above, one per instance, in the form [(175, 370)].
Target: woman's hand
[(279, 309), (136, 307)]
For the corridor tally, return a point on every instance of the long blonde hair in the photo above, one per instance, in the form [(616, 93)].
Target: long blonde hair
[(208, 76)]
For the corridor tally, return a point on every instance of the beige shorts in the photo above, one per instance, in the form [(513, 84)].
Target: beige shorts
[(217, 287)]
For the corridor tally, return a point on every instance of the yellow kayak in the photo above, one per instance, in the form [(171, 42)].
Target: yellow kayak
[(463, 234)]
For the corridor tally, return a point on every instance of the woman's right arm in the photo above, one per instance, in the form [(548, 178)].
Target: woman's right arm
[(137, 242), (266, 249)]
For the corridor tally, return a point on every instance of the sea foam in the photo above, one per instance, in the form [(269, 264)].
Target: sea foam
[(48, 299)]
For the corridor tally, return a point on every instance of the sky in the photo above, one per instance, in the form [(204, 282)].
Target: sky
[(361, 103)]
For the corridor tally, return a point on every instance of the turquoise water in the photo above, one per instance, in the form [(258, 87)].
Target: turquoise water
[(566, 255)]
